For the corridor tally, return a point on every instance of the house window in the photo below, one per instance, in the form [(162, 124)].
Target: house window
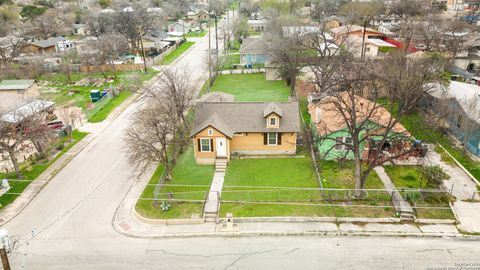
[(205, 145), (272, 138), (343, 143), (273, 121), (210, 132)]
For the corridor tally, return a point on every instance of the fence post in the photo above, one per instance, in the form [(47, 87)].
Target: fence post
[(451, 189)]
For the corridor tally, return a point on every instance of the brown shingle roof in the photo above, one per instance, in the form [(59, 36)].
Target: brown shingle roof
[(254, 46), (233, 117)]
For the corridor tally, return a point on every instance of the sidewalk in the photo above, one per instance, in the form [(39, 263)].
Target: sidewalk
[(126, 222), (13, 209), (463, 187), (401, 206)]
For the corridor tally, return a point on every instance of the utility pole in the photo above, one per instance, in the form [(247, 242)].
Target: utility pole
[(209, 60), (363, 39), (216, 37), (4, 257)]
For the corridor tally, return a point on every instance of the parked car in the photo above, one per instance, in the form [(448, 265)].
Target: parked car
[(57, 124)]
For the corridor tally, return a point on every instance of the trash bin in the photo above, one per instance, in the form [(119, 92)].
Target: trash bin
[(95, 95)]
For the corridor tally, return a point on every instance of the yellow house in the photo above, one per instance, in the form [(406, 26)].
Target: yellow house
[(224, 129)]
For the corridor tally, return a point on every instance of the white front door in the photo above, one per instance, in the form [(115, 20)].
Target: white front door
[(221, 147)]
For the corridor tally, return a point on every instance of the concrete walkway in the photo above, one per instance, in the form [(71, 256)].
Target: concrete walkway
[(212, 204), (464, 189), (399, 203)]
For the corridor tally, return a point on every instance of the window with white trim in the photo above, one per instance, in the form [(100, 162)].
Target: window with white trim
[(272, 138), (205, 145), (343, 143), (210, 132), (273, 121)]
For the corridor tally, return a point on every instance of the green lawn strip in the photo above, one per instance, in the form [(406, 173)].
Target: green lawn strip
[(185, 172), (230, 60), (303, 103), (30, 173), (103, 113), (196, 33), (176, 53), (252, 87)]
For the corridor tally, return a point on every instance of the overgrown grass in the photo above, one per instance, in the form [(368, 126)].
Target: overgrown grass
[(252, 87), (103, 113), (31, 172), (176, 53)]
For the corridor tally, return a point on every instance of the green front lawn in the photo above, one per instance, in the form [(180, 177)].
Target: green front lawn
[(176, 53), (271, 180), (335, 175), (30, 172), (252, 87), (185, 172), (407, 177)]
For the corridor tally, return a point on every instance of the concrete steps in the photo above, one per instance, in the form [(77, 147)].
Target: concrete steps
[(220, 165)]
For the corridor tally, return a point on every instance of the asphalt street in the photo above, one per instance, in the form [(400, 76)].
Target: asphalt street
[(68, 225)]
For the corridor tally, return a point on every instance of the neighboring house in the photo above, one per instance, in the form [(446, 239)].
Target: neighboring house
[(459, 103), (330, 127), (253, 51), (16, 92), (386, 19), (198, 16), (334, 21), (225, 129), (154, 44), (374, 47), (180, 26), (51, 45), (309, 35), (80, 30), (341, 33), (468, 56), (257, 25), (27, 109)]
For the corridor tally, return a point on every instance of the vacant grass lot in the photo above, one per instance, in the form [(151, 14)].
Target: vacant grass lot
[(176, 53), (196, 33), (31, 172), (185, 172), (335, 175), (252, 87), (65, 92)]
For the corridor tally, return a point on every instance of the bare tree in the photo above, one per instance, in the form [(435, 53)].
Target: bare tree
[(11, 138), (150, 136), (109, 48), (404, 83), (10, 47), (162, 122), (135, 23)]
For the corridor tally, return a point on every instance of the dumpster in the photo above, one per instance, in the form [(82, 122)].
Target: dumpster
[(95, 95)]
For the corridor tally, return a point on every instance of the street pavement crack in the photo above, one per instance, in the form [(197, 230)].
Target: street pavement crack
[(246, 255)]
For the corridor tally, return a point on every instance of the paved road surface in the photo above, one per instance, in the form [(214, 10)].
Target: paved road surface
[(71, 222)]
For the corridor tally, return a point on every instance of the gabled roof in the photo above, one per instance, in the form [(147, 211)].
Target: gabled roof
[(254, 46), (16, 84), (215, 121), (272, 108), (45, 43), (329, 119), (238, 117)]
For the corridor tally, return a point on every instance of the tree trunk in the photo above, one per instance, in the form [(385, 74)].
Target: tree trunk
[(143, 55), (357, 176), (14, 160), (39, 148)]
